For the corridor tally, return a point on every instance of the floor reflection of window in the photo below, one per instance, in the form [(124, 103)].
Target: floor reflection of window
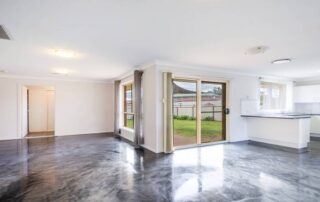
[(269, 182), (207, 173), (130, 155)]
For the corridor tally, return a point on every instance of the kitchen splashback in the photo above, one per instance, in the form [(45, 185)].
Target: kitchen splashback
[(249, 106), (310, 108)]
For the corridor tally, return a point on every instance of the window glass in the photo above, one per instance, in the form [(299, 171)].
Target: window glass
[(128, 106), (272, 95)]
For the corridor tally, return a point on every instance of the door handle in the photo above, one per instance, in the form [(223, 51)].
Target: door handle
[(226, 111)]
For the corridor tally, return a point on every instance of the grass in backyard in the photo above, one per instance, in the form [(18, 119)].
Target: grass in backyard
[(189, 128), (129, 123)]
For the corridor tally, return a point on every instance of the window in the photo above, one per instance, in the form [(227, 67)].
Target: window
[(128, 114), (272, 96)]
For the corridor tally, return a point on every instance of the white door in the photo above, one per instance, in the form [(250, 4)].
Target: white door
[(38, 110)]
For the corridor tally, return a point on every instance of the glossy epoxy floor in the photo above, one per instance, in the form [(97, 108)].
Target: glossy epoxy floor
[(102, 168)]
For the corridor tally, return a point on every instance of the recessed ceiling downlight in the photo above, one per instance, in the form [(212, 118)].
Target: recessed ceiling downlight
[(63, 72), (281, 61), (257, 50), (63, 53)]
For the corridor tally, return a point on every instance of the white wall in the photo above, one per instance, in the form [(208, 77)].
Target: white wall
[(51, 109), (8, 109), (241, 87), (24, 111), (81, 107), (151, 104)]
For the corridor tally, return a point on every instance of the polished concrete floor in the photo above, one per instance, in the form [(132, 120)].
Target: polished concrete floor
[(102, 168)]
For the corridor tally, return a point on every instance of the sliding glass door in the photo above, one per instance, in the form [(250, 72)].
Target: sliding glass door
[(199, 112), (184, 112), (213, 117)]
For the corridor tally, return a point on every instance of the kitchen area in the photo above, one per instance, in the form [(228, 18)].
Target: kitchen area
[(295, 128), (307, 101)]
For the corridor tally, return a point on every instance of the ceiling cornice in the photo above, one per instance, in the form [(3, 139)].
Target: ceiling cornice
[(218, 70), (8, 76), (212, 70)]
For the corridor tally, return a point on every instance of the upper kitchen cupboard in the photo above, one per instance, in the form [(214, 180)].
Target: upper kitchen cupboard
[(306, 94)]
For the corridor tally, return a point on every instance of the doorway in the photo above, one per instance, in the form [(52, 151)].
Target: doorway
[(199, 112), (38, 111)]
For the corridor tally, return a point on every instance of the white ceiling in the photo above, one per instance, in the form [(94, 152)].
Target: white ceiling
[(113, 36)]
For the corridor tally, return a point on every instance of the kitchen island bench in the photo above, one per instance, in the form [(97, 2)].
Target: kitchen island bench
[(283, 131)]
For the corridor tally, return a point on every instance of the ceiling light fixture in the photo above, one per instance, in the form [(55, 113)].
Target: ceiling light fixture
[(2, 71), (281, 61), (63, 53), (257, 50)]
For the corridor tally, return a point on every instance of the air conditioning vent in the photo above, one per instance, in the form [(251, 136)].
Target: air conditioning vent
[(3, 33)]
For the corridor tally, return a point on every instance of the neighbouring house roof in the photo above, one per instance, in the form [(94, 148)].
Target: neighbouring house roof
[(178, 90)]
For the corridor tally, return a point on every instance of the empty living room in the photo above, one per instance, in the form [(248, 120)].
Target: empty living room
[(148, 100)]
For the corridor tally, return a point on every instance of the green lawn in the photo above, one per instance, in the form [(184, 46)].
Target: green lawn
[(129, 123), (189, 128)]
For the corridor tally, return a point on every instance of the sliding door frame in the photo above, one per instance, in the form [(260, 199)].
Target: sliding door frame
[(225, 98)]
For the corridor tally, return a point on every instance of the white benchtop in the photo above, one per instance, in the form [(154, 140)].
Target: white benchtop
[(279, 116)]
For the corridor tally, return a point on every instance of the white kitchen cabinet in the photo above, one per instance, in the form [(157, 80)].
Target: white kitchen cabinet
[(315, 125), (306, 94), (287, 132)]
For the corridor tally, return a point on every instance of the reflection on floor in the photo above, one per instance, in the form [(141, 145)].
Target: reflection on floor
[(40, 134), (102, 168), (180, 140)]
